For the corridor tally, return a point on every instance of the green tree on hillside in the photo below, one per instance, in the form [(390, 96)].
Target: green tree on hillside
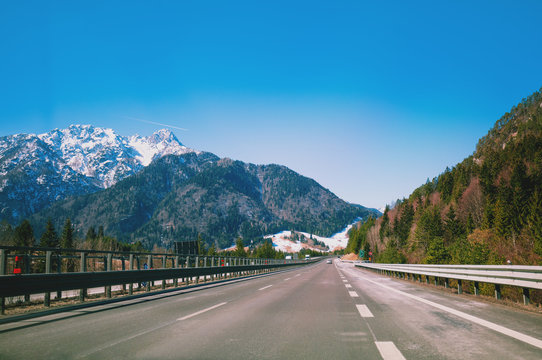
[(67, 238), (24, 234), (49, 238), (385, 224), (453, 228), (534, 221), (240, 248), (429, 227)]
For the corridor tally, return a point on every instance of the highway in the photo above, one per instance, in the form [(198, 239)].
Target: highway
[(322, 311)]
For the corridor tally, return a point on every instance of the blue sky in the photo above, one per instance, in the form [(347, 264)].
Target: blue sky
[(369, 98)]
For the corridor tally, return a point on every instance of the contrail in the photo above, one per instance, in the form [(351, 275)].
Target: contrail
[(156, 123)]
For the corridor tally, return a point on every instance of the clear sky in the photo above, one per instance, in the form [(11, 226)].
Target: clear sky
[(369, 98)]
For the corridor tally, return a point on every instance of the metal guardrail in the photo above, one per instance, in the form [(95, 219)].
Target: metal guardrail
[(525, 277), (26, 271)]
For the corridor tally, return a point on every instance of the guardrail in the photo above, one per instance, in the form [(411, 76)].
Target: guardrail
[(525, 277), (25, 271)]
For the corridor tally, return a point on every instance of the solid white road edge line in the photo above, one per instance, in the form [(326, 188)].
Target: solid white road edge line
[(364, 311), (389, 351), (498, 328), (265, 287), (201, 311)]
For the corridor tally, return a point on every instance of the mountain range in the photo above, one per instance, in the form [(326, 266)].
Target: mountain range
[(37, 170), (155, 190)]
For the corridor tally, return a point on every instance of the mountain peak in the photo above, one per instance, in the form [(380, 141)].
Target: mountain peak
[(165, 135)]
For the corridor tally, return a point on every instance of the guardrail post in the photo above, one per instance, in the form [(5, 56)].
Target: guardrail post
[(123, 269), (109, 268), (82, 292), (476, 288), (498, 294), (197, 265), (526, 296), (436, 281), (131, 267), (459, 286), (205, 265), (3, 268), (427, 279), (27, 260), (176, 265), (48, 270), (59, 269), (188, 265), (164, 261), (149, 265), (213, 265), (446, 283)]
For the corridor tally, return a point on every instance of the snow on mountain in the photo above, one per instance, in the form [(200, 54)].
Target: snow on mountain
[(36, 170), (107, 157), (283, 240), (157, 145)]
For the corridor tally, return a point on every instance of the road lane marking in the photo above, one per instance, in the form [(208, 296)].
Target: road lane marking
[(353, 294), (201, 312), (364, 311), (265, 287), (389, 351), (287, 279), (298, 274), (348, 286), (495, 327), (345, 280)]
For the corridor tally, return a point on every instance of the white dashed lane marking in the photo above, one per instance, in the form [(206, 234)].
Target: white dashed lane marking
[(389, 351), (353, 294), (201, 311), (364, 311)]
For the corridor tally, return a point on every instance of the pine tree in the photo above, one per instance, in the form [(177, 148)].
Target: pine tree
[(212, 250), (66, 240), (534, 221), (453, 228), (91, 234), (240, 248), (470, 224), (437, 252), (24, 234), (384, 225), (49, 238), (502, 223), (201, 245)]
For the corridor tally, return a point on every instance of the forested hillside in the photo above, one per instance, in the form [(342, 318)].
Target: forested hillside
[(487, 209), (196, 195)]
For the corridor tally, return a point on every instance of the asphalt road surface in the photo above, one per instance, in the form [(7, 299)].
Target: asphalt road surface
[(322, 311)]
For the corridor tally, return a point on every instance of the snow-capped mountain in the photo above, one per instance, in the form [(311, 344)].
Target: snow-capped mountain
[(36, 170), (107, 157)]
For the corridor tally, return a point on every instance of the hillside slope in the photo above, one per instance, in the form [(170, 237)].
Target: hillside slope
[(486, 209)]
